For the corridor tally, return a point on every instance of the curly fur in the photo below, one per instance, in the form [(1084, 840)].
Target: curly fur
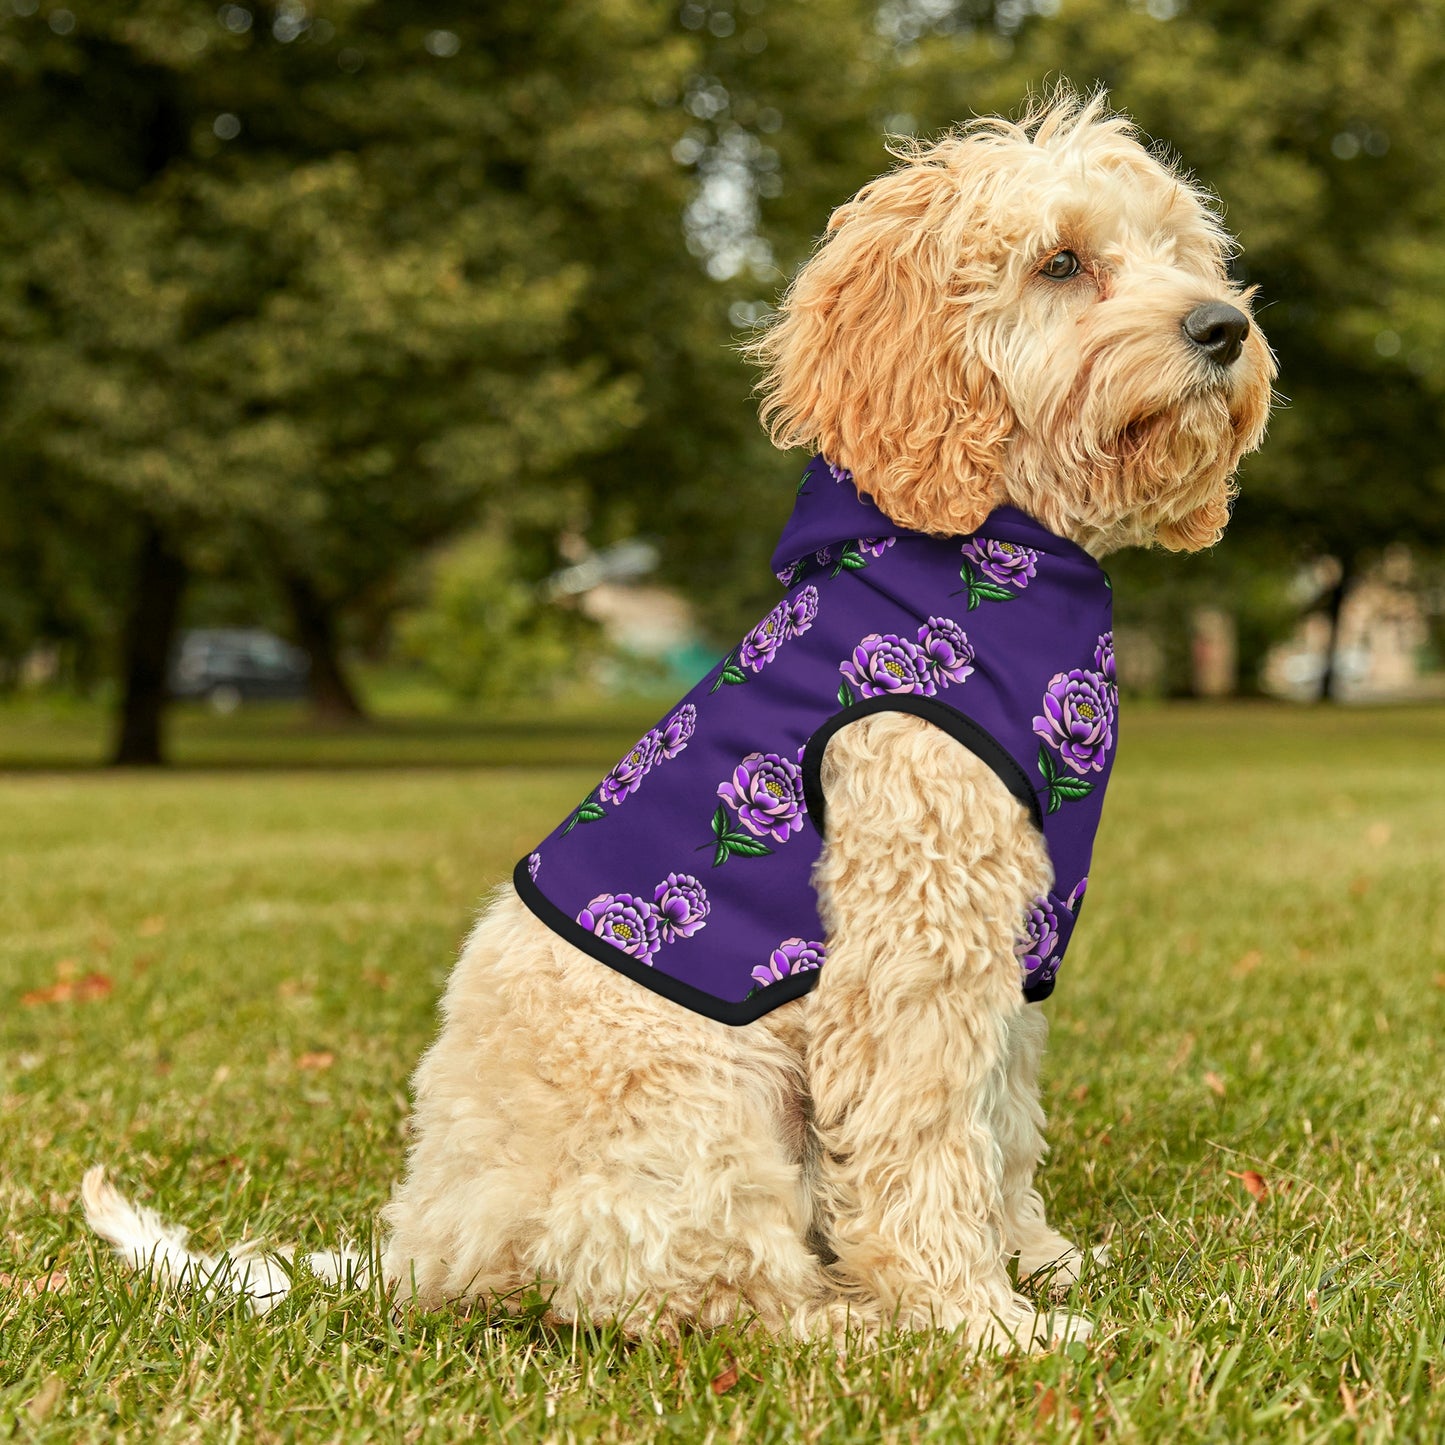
[(865, 1155)]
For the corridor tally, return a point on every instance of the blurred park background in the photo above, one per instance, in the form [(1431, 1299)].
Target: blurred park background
[(385, 352)]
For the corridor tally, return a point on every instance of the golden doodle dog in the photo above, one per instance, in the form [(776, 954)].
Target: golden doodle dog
[(1023, 323)]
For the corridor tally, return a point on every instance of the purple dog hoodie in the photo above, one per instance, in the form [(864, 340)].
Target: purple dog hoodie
[(688, 867)]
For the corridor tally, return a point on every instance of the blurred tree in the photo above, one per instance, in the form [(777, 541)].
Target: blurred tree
[(302, 283), (486, 633)]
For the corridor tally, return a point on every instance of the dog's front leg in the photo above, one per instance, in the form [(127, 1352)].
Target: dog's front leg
[(928, 867)]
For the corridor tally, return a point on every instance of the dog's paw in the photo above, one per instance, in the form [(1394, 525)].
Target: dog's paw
[(1058, 1266), (1023, 1326)]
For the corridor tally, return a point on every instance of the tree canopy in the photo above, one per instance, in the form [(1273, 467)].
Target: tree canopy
[(297, 291)]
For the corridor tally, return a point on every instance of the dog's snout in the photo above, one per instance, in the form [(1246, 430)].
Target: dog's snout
[(1218, 331)]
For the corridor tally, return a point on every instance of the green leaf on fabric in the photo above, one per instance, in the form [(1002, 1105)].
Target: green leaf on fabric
[(845, 695), (1047, 766), (589, 811), (730, 673), (980, 589)]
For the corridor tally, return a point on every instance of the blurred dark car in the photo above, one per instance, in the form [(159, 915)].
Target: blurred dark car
[(230, 665)]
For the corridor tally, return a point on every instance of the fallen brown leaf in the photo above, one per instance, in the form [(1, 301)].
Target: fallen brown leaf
[(1254, 1182), (724, 1382), (1046, 1408), (56, 1282), (45, 1399), (320, 1059), (1248, 963), (1347, 1399), (1181, 1054), (82, 990), (1080, 1094), (1214, 1083)]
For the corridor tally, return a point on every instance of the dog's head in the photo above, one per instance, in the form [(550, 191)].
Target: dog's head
[(1035, 313)]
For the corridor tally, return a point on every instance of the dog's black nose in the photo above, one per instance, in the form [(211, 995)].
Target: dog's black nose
[(1218, 331)]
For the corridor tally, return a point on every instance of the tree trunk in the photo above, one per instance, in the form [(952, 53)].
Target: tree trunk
[(150, 631), (333, 699), (1329, 679)]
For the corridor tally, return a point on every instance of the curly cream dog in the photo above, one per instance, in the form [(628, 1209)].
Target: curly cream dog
[(998, 320)]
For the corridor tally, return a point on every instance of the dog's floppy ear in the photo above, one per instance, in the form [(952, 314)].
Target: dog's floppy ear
[(872, 361)]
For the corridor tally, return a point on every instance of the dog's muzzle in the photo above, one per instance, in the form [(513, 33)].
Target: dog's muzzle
[(1218, 330)]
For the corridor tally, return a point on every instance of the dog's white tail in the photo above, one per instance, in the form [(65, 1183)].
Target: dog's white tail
[(147, 1243)]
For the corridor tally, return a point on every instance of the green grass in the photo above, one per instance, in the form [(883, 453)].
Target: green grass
[(1257, 985)]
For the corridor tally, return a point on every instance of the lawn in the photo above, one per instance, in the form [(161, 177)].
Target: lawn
[(216, 980)]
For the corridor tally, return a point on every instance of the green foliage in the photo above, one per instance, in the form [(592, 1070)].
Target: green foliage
[(486, 634)]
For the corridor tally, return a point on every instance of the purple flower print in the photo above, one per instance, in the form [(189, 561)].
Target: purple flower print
[(875, 547), (839, 474), (760, 645), (792, 955), (766, 792), (1104, 658), (534, 862), (799, 613), (789, 574), (1003, 562), (885, 664), (1036, 945), (681, 904), (946, 646), (627, 775), (823, 556), (1078, 719), (625, 922), (1077, 896), (675, 732)]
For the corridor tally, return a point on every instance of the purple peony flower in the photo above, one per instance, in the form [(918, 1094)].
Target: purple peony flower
[(680, 902), (875, 547), (1077, 896), (1036, 945), (823, 555), (766, 792), (625, 922), (1104, 658), (886, 664), (675, 732), (534, 862), (789, 574), (799, 612), (760, 645), (630, 770), (947, 648), (792, 955), (1078, 719), (839, 474), (1002, 562)]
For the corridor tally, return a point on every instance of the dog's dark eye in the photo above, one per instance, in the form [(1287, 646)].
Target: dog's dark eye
[(1060, 266)]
